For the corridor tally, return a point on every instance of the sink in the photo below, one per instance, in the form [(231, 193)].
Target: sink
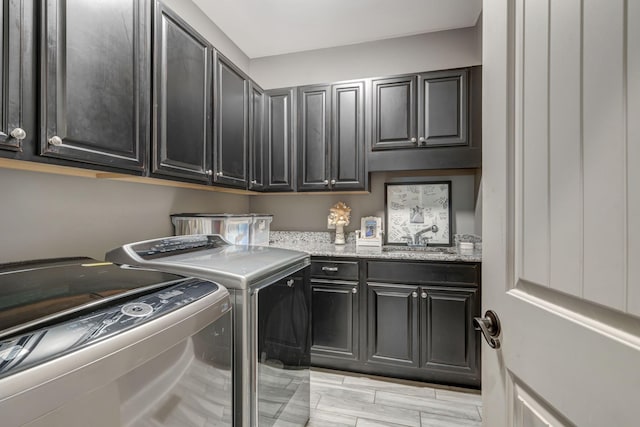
[(435, 250)]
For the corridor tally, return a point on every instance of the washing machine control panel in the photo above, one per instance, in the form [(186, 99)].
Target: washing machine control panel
[(36, 347), (169, 246)]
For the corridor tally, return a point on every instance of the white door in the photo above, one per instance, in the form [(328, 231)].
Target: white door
[(561, 219)]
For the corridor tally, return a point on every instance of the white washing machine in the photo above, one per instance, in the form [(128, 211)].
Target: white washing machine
[(87, 343)]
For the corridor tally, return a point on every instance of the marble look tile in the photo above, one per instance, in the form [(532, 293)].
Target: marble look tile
[(314, 398), (372, 384), (379, 412), (326, 377), (458, 396), (342, 392), (431, 406), (365, 422), (321, 418), (434, 420)]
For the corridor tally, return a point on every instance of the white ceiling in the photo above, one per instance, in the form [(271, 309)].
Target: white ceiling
[(274, 27)]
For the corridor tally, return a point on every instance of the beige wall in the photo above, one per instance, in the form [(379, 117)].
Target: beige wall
[(308, 212), (424, 52), (44, 215)]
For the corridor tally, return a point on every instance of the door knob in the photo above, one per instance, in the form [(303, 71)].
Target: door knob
[(413, 140), (55, 140), (354, 290), (333, 182), (209, 172), (489, 325), (325, 182), (422, 141), (19, 134)]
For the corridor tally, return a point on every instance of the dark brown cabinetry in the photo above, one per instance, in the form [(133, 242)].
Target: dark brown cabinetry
[(280, 140), (182, 99), (17, 106), (95, 82), (256, 137), (427, 121), (331, 137), (231, 124), (414, 320), (335, 310)]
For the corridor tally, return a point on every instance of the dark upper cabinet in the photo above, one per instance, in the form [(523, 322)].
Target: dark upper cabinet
[(256, 137), (95, 81), (394, 112), (392, 316), (448, 340), (17, 103), (331, 137), (313, 140), (347, 137), (182, 99), (279, 140), (334, 319), (427, 121), (443, 108), (231, 124)]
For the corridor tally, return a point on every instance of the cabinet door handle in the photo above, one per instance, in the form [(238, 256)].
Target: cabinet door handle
[(209, 172), (423, 295), (414, 294), (55, 140), (333, 182), (422, 140), (19, 134), (325, 182), (354, 290), (325, 268), (413, 140), (218, 173), (254, 182)]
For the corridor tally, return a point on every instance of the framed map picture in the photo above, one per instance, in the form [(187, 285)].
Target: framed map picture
[(418, 213)]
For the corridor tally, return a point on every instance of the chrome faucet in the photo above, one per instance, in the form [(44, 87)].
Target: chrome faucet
[(416, 237)]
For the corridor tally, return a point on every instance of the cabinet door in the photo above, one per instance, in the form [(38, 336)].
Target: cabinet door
[(232, 124), (16, 75), (448, 341), (394, 113), (182, 98), (256, 138), (443, 108), (347, 137), (313, 141), (95, 81), (392, 316), (280, 139), (334, 319)]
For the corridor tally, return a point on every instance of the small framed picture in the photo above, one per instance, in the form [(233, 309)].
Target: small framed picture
[(370, 227)]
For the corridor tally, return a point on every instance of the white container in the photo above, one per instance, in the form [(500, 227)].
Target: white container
[(247, 229)]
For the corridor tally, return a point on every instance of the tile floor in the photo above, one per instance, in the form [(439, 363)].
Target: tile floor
[(350, 400)]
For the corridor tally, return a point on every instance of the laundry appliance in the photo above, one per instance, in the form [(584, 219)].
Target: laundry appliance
[(88, 343), (270, 296)]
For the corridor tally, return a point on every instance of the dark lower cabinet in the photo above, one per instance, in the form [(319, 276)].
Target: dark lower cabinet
[(231, 124), (334, 325), (280, 138), (17, 102), (448, 343), (408, 325), (182, 98), (95, 81), (392, 324)]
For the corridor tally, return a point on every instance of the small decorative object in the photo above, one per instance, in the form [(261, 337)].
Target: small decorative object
[(339, 215), (418, 213), (370, 233)]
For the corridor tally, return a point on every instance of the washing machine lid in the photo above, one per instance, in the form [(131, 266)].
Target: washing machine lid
[(213, 258), (40, 291)]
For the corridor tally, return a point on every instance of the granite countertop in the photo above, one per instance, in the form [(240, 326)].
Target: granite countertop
[(320, 244)]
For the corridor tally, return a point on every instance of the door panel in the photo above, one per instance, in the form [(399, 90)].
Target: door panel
[(394, 113), (182, 118), (16, 74), (256, 146), (347, 147), (334, 319), (560, 213), (392, 324), (448, 338), (313, 142), (280, 139), (231, 124), (95, 81)]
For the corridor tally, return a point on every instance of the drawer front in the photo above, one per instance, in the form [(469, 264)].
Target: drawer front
[(335, 269), (423, 272)]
